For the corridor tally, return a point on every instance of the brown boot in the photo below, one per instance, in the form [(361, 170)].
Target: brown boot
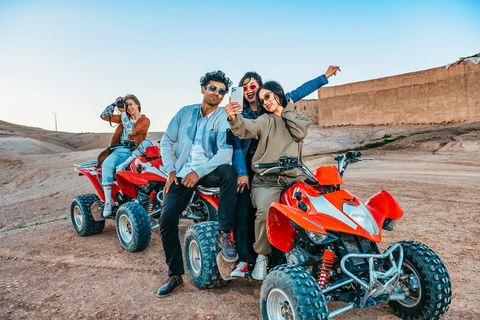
[(225, 241)]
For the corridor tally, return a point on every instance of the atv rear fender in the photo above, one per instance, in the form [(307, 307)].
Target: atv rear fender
[(95, 176), (280, 232)]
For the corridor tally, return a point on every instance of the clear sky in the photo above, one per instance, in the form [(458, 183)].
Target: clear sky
[(76, 57)]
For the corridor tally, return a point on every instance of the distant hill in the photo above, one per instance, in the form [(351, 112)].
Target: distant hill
[(18, 139)]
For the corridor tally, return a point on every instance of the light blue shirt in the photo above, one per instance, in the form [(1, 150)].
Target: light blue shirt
[(197, 154), (177, 142)]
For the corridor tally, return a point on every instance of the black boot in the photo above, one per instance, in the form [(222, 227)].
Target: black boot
[(170, 287), (229, 251)]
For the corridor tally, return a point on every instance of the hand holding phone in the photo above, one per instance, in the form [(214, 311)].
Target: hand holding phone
[(237, 96)]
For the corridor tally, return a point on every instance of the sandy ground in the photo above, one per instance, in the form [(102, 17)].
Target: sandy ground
[(48, 272)]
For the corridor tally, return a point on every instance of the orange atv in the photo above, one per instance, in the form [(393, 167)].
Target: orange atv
[(327, 240)]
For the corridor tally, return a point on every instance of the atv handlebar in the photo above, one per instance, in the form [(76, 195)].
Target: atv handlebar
[(289, 163), (349, 157)]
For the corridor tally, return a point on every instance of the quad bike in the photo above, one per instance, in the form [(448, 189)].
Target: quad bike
[(325, 249), (138, 194), (330, 238)]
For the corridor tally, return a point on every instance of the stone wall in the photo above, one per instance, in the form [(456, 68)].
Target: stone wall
[(432, 96), (308, 108)]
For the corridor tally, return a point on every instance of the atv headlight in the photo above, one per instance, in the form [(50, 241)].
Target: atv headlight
[(361, 215), (316, 237)]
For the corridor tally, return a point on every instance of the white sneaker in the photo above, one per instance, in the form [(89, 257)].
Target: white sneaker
[(240, 270), (260, 270), (107, 209)]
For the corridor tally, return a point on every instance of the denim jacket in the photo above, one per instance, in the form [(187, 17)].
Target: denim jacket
[(240, 146), (181, 132)]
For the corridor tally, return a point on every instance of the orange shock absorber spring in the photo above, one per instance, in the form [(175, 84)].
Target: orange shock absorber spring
[(325, 268), (151, 202)]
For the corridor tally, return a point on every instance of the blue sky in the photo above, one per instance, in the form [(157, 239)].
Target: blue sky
[(75, 58)]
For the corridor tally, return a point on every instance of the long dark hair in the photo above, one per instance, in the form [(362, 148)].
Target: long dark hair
[(247, 76), (277, 89)]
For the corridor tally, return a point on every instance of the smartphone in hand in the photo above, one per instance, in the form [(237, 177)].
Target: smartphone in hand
[(237, 95)]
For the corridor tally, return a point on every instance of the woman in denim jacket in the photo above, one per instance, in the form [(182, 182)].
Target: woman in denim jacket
[(243, 151)]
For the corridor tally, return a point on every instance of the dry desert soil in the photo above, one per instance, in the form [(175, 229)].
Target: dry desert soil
[(48, 272)]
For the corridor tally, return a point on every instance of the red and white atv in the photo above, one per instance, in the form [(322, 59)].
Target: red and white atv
[(329, 238), (138, 194)]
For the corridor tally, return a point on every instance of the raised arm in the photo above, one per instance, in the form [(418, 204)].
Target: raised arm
[(312, 85)]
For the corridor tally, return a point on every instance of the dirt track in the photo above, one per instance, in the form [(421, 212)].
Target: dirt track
[(48, 272)]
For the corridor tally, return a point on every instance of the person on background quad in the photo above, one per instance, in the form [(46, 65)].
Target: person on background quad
[(243, 151), (199, 134), (132, 126), (280, 132)]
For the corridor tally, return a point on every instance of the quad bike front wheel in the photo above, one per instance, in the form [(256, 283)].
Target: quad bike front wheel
[(201, 249), (133, 227), (425, 281), (291, 293), (81, 215)]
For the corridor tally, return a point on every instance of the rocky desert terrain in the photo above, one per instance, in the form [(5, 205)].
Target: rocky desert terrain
[(48, 272)]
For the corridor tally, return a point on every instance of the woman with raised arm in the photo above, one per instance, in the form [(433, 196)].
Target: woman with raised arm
[(279, 132), (132, 126), (243, 151)]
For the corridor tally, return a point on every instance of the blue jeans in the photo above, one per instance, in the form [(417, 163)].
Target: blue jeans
[(117, 157), (114, 159)]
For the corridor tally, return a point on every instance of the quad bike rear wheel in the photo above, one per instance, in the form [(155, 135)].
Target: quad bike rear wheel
[(204, 209), (81, 215), (291, 293), (426, 281), (201, 249), (133, 227)]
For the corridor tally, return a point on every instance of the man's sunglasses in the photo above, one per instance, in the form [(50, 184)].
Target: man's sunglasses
[(214, 88), (252, 87)]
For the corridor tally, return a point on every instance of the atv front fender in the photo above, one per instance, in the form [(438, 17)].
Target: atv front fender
[(383, 206), (280, 232)]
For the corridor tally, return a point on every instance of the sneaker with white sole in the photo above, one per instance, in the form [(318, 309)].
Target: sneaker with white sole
[(260, 270), (107, 209), (240, 270)]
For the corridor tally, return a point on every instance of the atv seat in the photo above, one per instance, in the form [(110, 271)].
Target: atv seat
[(208, 191)]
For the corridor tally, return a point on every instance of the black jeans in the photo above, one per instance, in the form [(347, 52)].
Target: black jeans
[(245, 227), (175, 202)]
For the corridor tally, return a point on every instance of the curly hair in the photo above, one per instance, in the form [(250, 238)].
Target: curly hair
[(218, 76)]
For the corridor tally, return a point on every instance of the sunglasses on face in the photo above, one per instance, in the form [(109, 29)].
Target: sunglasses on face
[(266, 98), (252, 87), (214, 88)]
